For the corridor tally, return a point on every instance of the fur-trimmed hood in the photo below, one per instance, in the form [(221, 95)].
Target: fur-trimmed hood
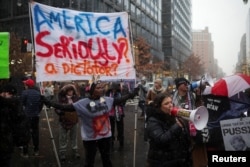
[(64, 89)]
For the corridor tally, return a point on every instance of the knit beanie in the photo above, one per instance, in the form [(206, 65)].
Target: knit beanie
[(179, 81)]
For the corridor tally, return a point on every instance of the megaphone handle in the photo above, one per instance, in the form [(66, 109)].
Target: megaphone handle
[(192, 129), (180, 122)]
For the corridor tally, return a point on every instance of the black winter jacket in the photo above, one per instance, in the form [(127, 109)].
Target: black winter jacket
[(169, 143), (8, 122)]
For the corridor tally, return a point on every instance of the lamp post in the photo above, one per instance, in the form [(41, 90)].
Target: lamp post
[(19, 3)]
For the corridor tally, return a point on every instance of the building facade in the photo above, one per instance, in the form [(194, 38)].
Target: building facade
[(145, 17), (203, 47), (176, 32), (248, 42), (241, 65)]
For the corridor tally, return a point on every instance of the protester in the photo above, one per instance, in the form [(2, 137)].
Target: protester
[(168, 135), (95, 124), (116, 115), (151, 94), (182, 96), (143, 89), (9, 106), (49, 91), (156, 89), (185, 98), (68, 122), (32, 104)]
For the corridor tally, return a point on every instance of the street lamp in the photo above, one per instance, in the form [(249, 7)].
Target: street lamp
[(19, 3)]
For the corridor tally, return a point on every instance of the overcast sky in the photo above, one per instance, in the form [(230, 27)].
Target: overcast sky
[(226, 21)]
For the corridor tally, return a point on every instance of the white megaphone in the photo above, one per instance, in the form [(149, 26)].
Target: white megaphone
[(199, 116), (206, 79)]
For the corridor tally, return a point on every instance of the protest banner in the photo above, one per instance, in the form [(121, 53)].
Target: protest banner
[(75, 45), (236, 134), (4, 55)]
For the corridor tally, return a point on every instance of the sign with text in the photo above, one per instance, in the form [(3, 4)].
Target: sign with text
[(4, 55), (236, 134), (75, 45)]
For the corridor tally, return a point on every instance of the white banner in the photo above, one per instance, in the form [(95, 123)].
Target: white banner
[(75, 45), (236, 134)]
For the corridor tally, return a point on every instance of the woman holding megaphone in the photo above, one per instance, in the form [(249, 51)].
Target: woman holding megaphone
[(168, 135)]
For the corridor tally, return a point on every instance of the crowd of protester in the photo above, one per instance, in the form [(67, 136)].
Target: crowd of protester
[(97, 110)]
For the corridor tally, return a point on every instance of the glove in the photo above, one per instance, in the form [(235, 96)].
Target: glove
[(46, 101), (59, 112), (136, 91), (131, 95)]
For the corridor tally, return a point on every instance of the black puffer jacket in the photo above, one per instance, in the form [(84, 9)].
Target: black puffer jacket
[(169, 143), (8, 120)]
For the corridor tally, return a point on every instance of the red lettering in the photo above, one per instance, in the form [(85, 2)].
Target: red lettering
[(43, 44), (98, 50), (86, 68)]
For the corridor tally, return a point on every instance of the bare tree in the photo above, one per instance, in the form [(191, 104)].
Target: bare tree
[(193, 67), (19, 62)]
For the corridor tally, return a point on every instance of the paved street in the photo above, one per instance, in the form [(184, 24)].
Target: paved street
[(120, 158)]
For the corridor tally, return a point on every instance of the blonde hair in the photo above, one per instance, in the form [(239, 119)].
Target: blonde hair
[(158, 80)]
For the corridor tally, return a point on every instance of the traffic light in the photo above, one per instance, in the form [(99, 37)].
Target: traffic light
[(24, 45)]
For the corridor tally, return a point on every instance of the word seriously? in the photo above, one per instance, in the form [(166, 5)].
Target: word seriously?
[(95, 50)]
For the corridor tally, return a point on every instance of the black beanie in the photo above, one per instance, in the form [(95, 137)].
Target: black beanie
[(179, 81), (10, 89)]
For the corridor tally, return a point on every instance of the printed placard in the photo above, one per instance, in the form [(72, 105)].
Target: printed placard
[(236, 134)]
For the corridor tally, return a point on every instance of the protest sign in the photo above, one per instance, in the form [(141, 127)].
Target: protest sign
[(236, 134), (75, 45), (4, 55)]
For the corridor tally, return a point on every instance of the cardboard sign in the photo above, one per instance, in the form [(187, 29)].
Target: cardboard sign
[(4, 55)]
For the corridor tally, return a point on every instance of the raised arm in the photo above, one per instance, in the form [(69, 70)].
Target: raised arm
[(63, 107), (123, 99)]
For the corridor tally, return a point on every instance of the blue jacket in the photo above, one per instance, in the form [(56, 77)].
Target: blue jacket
[(32, 102)]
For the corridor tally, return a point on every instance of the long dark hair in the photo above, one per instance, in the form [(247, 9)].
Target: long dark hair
[(154, 108), (159, 98)]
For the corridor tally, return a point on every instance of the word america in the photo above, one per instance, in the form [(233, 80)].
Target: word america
[(216, 158), (82, 22)]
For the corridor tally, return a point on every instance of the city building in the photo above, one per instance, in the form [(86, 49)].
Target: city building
[(203, 47), (241, 65), (248, 43), (176, 32)]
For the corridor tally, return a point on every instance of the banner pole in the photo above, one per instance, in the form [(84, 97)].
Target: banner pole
[(135, 100), (51, 134), (32, 41), (52, 138)]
